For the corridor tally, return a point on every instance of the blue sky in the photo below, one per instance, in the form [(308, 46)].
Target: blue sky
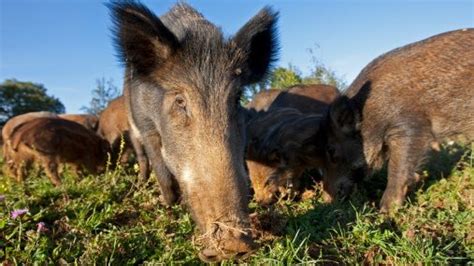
[(66, 44)]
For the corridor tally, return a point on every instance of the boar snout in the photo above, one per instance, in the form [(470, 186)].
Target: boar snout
[(344, 189), (265, 196), (227, 243), (338, 189)]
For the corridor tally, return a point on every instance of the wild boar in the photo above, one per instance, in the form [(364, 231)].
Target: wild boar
[(88, 121), (262, 100), (400, 105), (307, 98), (52, 141), (310, 98), (282, 144), (183, 82), (113, 125), (267, 177), (12, 125)]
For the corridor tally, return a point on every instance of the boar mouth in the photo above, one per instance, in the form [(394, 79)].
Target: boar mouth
[(223, 242)]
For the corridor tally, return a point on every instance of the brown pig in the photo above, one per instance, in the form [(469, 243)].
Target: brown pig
[(88, 121), (13, 124), (400, 105), (113, 126), (262, 100), (52, 141), (282, 144), (266, 177), (307, 98), (183, 83)]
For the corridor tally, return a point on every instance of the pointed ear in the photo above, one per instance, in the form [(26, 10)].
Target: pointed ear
[(344, 117), (142, 40), (258, 40)]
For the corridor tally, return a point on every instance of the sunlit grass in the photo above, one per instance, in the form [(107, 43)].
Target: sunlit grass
[(111, 219)]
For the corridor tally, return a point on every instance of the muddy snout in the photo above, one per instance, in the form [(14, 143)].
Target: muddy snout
[(227, 243), (344, 189), (340, 189), (266, 200), (267, 195)]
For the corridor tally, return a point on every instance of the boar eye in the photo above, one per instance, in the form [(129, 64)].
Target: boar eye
[(180, 101)]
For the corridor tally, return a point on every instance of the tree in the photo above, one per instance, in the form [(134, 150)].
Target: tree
[(17, 97), (321, 74), (282, 77), (250, 90), (101, 96), (279, 78)]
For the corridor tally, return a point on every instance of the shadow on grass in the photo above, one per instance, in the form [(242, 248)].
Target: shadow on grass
[(311, 226), (440, 164), (320, 225)]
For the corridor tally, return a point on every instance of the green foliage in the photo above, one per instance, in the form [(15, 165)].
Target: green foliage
[(112, 219), (18, 97), (104, 92), (285, 77), (282, 78), (322, 74), (279, 78)]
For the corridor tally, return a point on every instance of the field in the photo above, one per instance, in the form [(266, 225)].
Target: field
[(110, 219)]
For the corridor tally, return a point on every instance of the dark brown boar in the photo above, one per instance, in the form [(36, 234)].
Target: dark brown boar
[(113, 126), (13, 124), (52, 141), (259, 173), (262, 100), (282, 144), (307, 98), (88, 121), (310, 98), (183, 85), (400, 105), (266, 177)]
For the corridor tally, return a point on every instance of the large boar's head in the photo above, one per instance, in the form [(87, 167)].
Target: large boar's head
[(184, 82)]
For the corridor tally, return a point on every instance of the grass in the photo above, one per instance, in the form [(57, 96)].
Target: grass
[(109, 219)]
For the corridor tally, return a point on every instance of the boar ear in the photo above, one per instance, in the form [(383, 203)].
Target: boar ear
[(344, 117), (143, 42), (258, 40)]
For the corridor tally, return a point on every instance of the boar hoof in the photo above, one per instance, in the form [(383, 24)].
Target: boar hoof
[(390, 202), (168, 199)]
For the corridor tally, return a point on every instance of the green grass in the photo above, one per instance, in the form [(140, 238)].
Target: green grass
[(108, 219)]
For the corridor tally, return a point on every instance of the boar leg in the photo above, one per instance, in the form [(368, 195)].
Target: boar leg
[(166, 180), (406, 154), (51, 169), (141, 157), (126, 155), (20, 172), (78, 170)]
